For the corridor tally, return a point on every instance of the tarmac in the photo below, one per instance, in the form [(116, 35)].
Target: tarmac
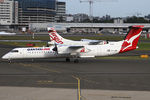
[(48, 77), (26, 93)]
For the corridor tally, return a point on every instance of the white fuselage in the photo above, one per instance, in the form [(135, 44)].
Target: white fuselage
[(68, 48), (70, 42), (77, 43), (40, 52), (102, 50), (48, 52), (6, 33)]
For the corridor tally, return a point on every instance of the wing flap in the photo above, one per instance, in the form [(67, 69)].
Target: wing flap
[(69, 49)]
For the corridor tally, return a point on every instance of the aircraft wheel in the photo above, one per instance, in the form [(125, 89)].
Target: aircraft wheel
[(32, 60), (9, 60), (76, 61), (67, 59)]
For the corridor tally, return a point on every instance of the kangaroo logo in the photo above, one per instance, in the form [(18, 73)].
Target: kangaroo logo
[(129, 42), (82, 50)]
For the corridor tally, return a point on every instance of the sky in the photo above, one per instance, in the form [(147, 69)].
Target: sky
[(117, 8)]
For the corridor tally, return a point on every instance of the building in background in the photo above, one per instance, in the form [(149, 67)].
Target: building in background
[(31, 11), (118, 20), (36, 11), (80, 17), (60, 12), (69, 18), (8, 12)]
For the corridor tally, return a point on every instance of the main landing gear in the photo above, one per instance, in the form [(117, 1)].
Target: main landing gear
[(67, 59), (9, 60), (75, 60)]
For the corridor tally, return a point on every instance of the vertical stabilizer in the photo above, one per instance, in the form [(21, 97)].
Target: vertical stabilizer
[(131, 40), (54, 36)]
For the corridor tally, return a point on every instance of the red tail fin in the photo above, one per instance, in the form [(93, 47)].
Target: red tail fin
[(131, 40), (54, 36)]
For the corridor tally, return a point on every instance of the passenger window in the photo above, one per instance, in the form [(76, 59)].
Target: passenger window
[(14, 51)]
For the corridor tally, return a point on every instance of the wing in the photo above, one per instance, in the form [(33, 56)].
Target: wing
[(94, 42), (75, 47), (65, 49), (75, 51)]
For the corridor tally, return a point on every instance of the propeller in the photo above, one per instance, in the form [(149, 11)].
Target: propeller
[(55, 48)]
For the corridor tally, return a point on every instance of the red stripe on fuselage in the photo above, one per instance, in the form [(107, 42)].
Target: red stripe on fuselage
[(46, 49)]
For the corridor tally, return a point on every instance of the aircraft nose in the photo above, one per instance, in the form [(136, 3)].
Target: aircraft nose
[(5, 57)]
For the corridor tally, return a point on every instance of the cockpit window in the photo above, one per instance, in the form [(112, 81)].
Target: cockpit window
[(14, 51)]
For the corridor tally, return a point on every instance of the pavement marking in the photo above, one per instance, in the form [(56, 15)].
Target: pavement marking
[(58, 72), (121, 97), (79, 87), (39, 67), (89, 81), (52, 82), (44, 81), (50, 70), (65, 83)]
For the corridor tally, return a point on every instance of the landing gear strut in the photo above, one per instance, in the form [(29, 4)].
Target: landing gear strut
[(67, 59), (32, 60), (9, 60), (76, 61)]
